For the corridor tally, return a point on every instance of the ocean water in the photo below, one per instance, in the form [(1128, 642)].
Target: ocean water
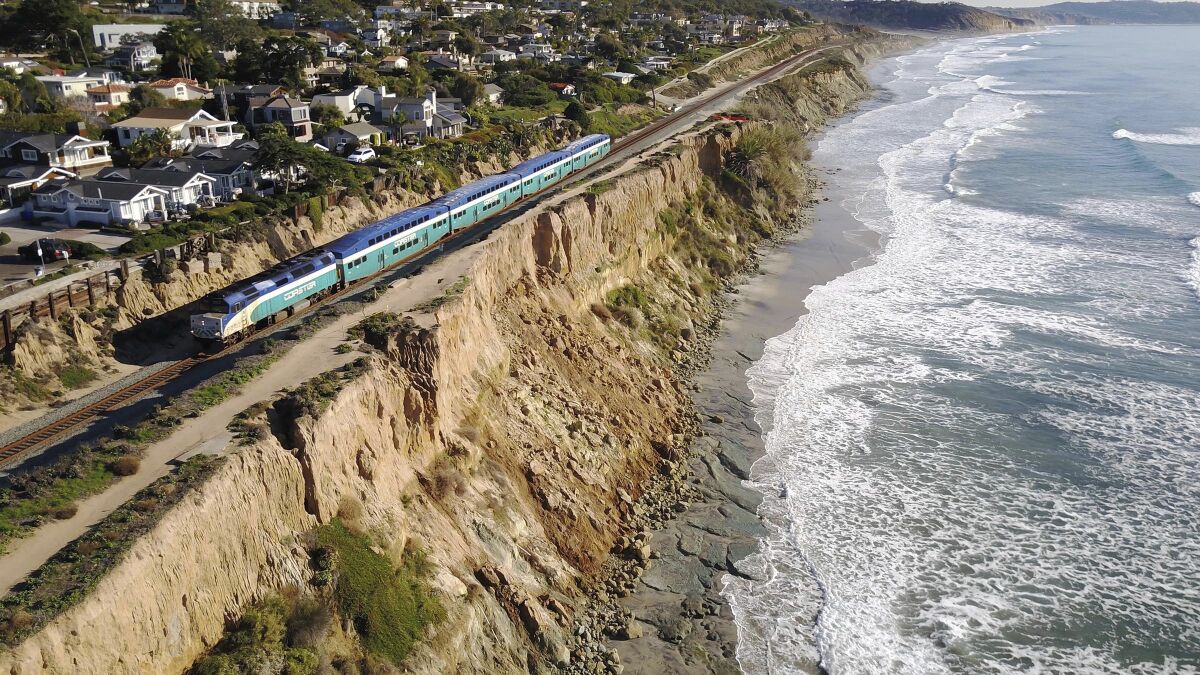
[(983, 448)]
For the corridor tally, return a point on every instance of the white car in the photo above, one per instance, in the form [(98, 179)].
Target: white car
[(361, 155)]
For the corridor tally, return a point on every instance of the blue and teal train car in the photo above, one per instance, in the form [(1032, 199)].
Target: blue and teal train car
[(259, 299), (478, 200)]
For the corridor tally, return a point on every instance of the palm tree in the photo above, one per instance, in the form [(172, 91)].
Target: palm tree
[(181, 42)]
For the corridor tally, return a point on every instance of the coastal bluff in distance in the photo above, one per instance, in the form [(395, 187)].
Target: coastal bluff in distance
[(909, 15)]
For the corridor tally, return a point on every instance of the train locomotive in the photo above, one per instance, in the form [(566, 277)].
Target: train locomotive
[(240, 310)]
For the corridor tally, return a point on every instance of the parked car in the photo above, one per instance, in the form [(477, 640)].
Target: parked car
[(361, 155), (52, 249)]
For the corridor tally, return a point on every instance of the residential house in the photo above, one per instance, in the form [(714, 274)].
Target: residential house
[(462, 10), (358, 133), (65, 86), (257, 9), (180, 89), (17, 181), (108, 36), (338, 49), (535, 50), (240, 95), (563, 89), (183, 188), (581, 59), (426, 116), (106, 75), (292, 113), (444, 38), (621, 78), (493, 94), (16, 63), (347, 100), (189, 128), (377, 37), (443, 62), (233, 170), (657, 63), (71, 202), (494, 56), (108, 96), (170, 6), (393, 63), (73, 152), (138, 56)]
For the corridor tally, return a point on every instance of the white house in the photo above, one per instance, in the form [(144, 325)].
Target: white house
[(72, 152), (622, 78), (108, 36), (393, 62), (189, 128), (183, 188), (70, 202), (256, 9), (65, 86), (108, 96), (180, 89), (495, 56), (493, 93)]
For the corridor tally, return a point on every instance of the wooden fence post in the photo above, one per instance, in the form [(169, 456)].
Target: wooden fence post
[(108, 283), (8, 336), (70, 297), (91, 292), (53, 309)]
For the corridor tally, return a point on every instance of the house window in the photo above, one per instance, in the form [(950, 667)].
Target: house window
[(29, 155)]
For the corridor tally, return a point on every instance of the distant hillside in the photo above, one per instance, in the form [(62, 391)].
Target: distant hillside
[(908, 15), (1122, 11)]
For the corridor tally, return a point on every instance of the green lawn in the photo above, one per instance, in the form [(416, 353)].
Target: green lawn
[(514, 114)]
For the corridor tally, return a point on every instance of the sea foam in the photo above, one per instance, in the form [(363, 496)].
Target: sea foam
[(1184, 136)]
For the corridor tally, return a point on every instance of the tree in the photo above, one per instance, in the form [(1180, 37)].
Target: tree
[(524, 91), (577, 113), (222, 25), (316, 11), (466, 46), (181, 46), (158, 143), (142, 97), (608, 46), (466, 87), (11, 95), (396, 122), (280, 155), (327, 115), (285, 58), (248, 65), (38, 22)]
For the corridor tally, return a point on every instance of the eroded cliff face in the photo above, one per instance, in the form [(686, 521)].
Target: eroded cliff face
[(512, 437)]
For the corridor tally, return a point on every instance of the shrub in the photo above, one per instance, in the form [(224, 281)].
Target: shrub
[(5, 239), (126, 465), (65, 512), (390, 608), (74, 377), (601, 311)]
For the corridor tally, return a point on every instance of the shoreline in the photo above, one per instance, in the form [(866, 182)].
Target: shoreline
[(679, 619)]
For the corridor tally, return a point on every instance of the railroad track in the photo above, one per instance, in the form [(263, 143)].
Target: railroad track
[(78, 418), (72, 421)]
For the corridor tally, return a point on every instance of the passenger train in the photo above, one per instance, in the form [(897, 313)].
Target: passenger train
[(240, 310)]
